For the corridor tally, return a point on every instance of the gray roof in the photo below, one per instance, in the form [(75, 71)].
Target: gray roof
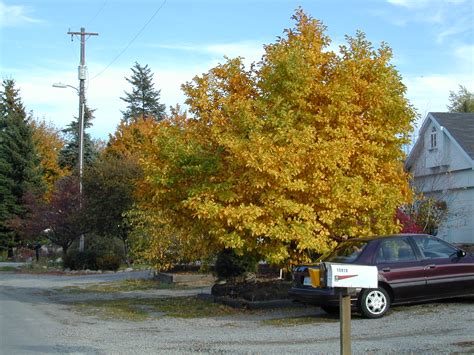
[(460, 126)]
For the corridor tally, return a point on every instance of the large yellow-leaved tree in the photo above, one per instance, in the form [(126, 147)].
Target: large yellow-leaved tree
[(281, 159)]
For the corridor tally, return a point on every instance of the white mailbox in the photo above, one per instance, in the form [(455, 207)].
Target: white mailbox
[(351, 276)]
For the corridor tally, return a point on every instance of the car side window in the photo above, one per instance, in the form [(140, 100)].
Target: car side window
[(395, 250), (434, 248)]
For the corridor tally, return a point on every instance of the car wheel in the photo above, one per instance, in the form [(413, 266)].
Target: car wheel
[(374, 302), (330, 309)]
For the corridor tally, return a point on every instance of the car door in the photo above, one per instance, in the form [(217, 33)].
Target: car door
[(401, 268), (448, 274)]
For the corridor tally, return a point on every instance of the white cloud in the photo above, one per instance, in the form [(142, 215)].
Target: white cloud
[(465, 56), (461, 24), (409, 3), (449, 17), (15, 15), (251, 51), (413, 4)]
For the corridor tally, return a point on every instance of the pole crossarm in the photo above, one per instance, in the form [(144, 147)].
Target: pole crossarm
[(83, 33)]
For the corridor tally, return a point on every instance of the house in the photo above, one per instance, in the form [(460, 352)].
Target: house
[(442, 164)]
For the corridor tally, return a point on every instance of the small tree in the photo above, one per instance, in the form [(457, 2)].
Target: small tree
[(144, 100), (59, 220), (461, 101), (109, 185), (428, 212), (407, 223)]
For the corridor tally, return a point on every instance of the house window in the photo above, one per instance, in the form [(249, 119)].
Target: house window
[(433, 138)]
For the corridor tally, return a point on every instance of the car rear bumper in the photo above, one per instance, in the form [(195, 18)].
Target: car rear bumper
[(318, 296)]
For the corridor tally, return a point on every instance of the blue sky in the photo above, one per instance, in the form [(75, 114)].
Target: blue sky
[(432, 42)]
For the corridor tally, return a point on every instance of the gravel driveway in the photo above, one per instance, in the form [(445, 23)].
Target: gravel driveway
[(48, 325)]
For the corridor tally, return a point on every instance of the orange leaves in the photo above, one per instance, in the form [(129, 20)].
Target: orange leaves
[(304, 146), (48, 143), (130, 139)]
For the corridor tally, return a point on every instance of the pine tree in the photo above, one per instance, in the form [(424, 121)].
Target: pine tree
[(144, 100), (68, 157), (19, 162)]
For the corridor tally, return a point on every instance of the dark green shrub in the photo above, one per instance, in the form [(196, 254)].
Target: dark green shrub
[(76, 260), (229, 264), (109, 262), (100, 253)]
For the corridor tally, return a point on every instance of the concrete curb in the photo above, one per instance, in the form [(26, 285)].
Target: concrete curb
[(189, 279)]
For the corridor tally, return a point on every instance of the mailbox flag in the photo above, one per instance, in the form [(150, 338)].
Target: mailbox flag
[(315, 275)]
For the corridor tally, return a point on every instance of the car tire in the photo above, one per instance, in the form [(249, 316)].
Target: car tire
[(374, 302), (334, 310)]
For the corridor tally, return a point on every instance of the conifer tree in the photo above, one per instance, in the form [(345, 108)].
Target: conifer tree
[(69, 153), (144, 100), (19, 162)]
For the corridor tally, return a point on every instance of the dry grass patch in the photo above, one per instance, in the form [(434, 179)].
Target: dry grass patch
[(294, 321), (119, 286), (142, 309)]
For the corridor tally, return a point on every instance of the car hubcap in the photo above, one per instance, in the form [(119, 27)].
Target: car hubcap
[(376, 302)]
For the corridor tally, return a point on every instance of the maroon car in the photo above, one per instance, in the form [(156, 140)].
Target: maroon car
[(412, 268)]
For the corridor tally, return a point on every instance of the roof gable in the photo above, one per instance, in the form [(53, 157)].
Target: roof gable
[(461, 128)]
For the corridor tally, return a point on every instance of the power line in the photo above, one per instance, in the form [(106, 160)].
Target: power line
[(131, 41), (97, 13)]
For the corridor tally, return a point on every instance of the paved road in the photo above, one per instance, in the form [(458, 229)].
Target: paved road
[(45, 281), (24, 326), (28, 321)]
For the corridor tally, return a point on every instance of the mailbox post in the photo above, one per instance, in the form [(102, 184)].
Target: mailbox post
[(345, 278), (345, 320)]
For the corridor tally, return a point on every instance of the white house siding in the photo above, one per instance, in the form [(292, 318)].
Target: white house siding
[(456, 188), (446, 173), (446, 157), (459, 226)]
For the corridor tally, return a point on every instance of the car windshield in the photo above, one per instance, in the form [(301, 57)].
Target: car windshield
[(346, 252)]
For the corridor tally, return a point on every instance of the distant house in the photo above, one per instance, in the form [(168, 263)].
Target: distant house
[(442, 163)]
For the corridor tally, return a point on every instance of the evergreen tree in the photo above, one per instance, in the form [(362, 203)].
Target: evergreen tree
[(19, 162), (144, 100), (68, 157)]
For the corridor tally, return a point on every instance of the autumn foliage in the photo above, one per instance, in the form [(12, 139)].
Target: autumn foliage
[(48, 144), (278, 160)]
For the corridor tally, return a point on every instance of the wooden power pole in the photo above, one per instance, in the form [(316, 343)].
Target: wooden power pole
[(82, 79)]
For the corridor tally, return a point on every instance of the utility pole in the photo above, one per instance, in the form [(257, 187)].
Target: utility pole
[(82, 79)]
